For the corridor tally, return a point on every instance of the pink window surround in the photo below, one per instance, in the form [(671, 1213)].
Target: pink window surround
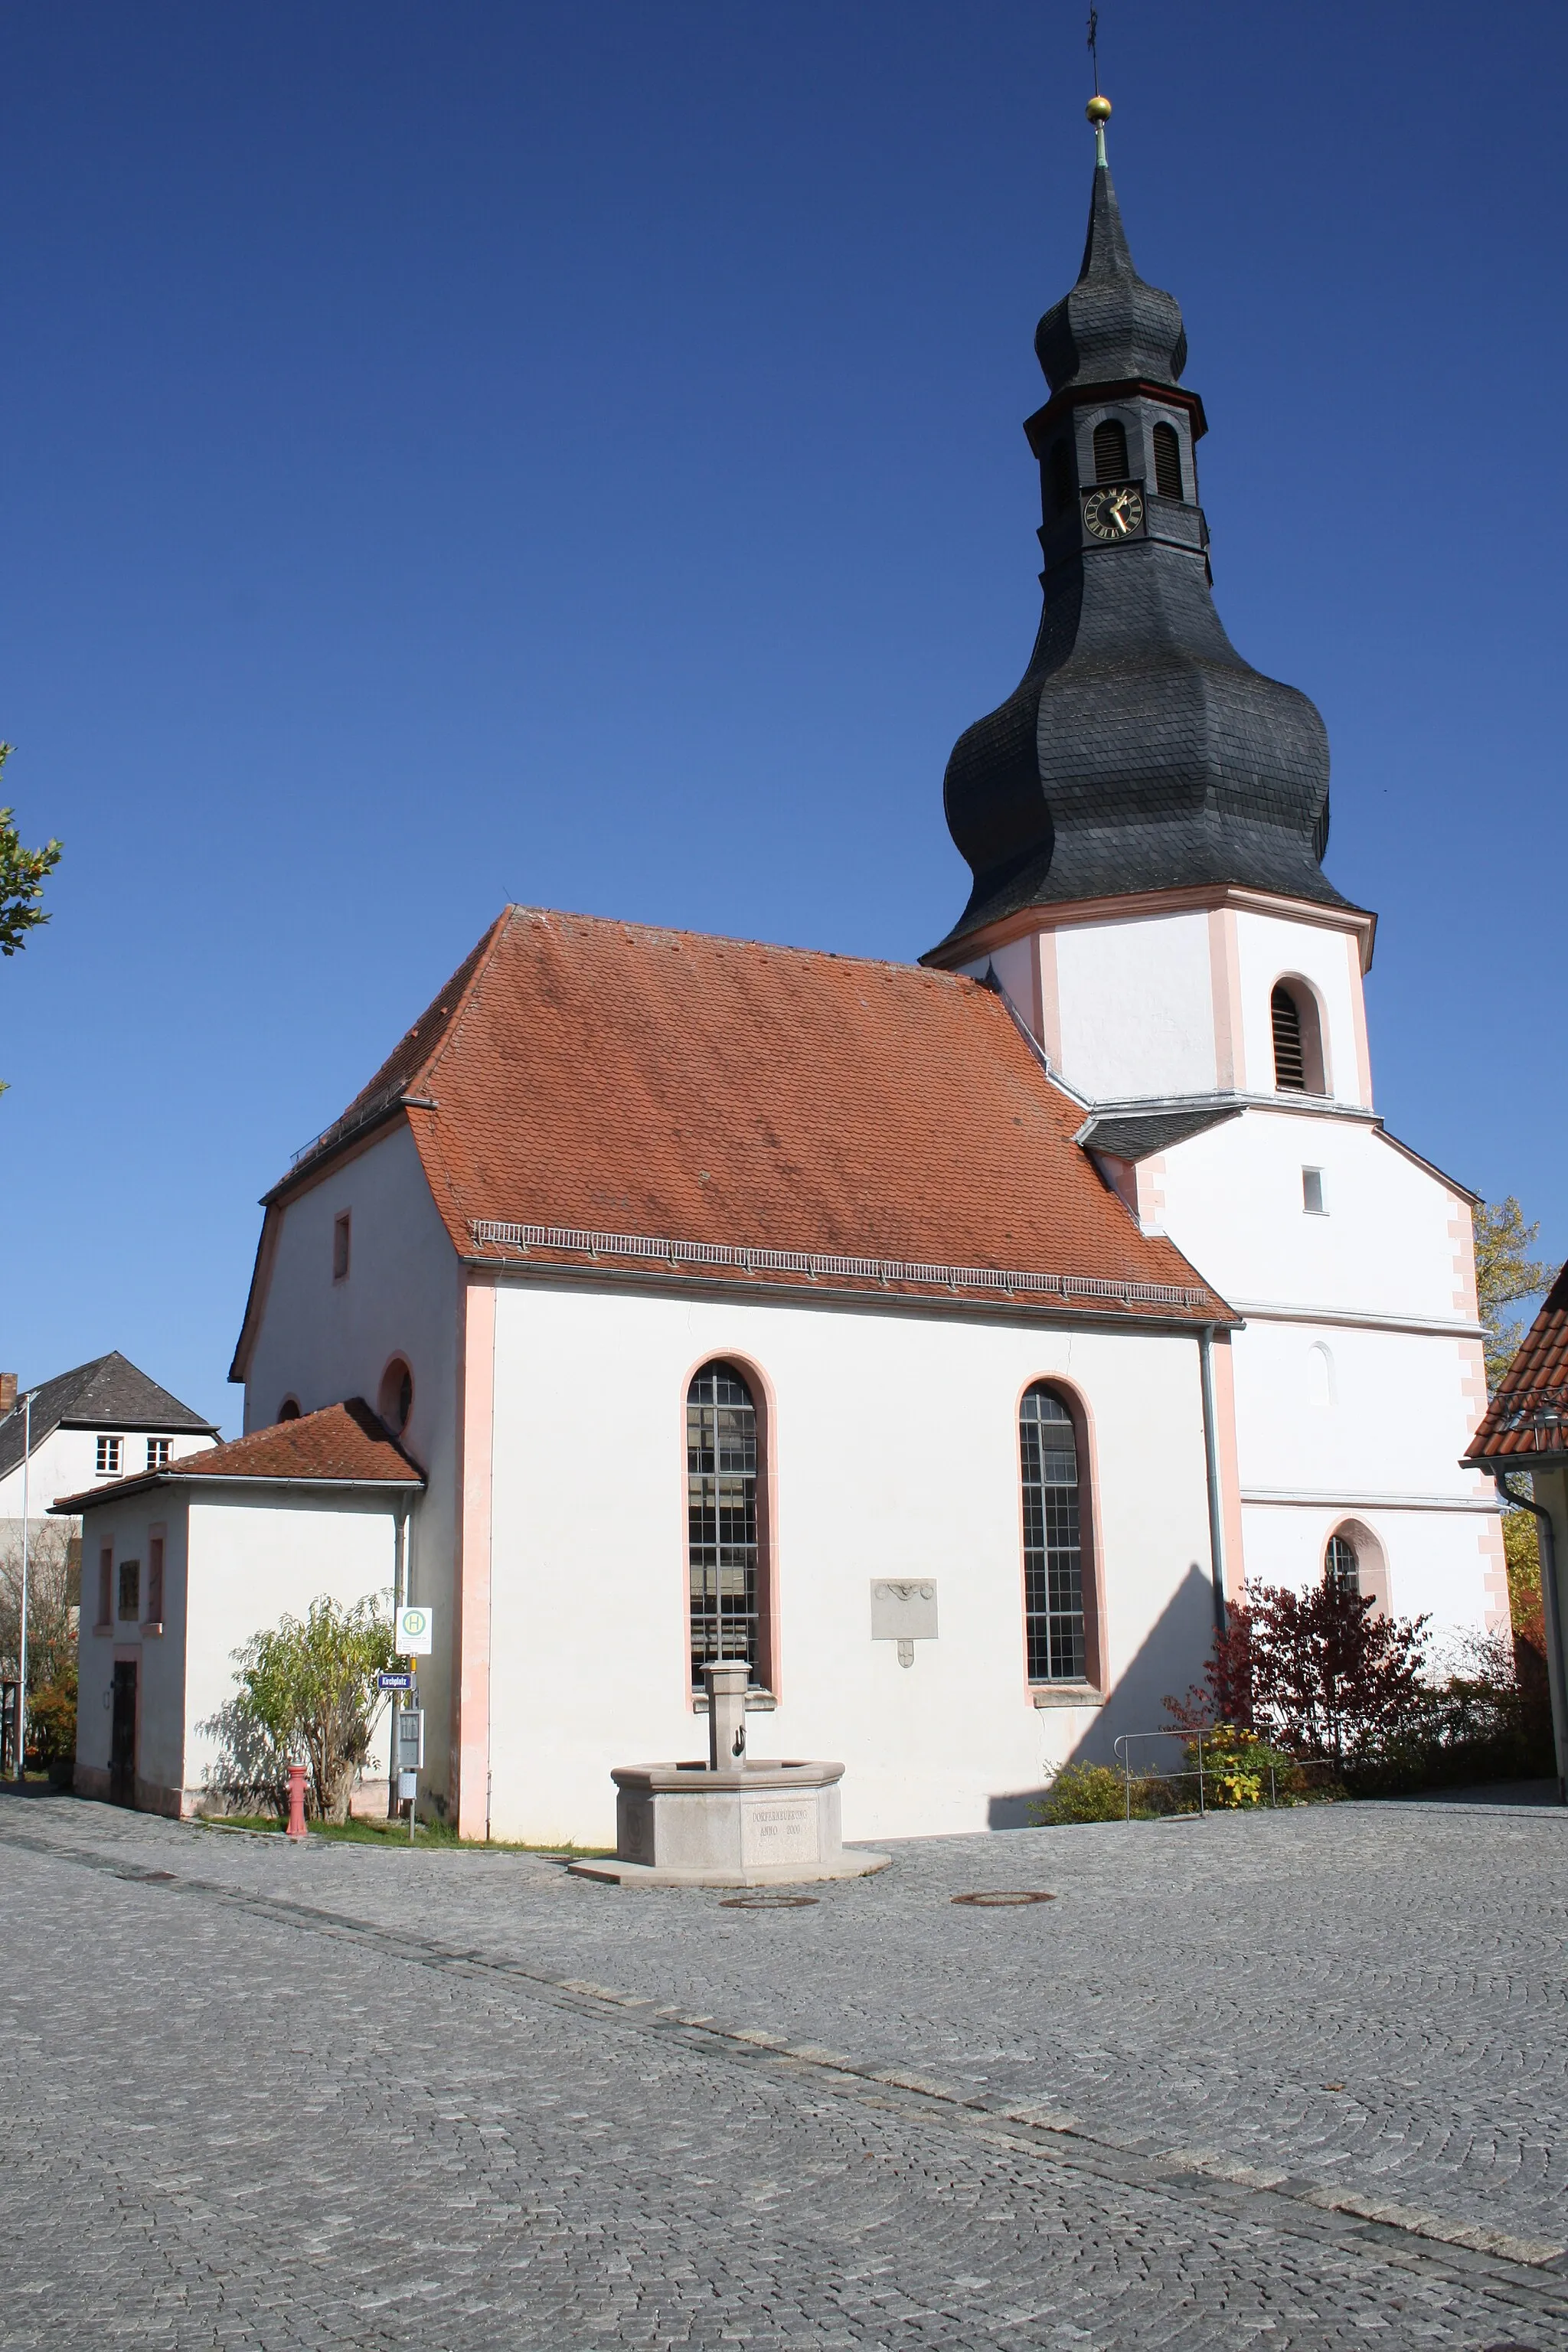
[(770, 1646)]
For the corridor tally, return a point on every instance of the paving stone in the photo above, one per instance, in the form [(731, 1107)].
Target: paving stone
[(350, 2097)]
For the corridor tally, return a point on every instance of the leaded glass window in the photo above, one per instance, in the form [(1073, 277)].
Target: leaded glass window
[(1053, 1539), (722, 1513), (1342, 1569)]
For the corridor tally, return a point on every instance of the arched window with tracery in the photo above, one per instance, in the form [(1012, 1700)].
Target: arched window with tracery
[(1110, 450), (1055, 1621), (724, 1533)]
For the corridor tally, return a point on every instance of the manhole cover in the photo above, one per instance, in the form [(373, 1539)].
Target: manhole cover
[(996, 1898), (766, 1902)]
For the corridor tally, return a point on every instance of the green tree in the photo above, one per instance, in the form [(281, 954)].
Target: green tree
[(310, 1685), (1505, 1272), (23, 873)]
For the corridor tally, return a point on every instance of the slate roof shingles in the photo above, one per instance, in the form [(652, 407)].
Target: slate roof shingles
[(111, 1392)]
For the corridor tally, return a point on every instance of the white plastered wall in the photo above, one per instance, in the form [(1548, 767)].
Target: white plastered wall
[(321, 1341), (65, 1462), (1135, 1004), (231, 1569), (894, 1445)]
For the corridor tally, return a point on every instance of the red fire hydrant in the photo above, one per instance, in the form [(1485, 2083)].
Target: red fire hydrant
[(296, 1802)]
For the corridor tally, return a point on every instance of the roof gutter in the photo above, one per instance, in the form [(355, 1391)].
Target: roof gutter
[(1040, 1306), (72, 1506), (1556, 1675)]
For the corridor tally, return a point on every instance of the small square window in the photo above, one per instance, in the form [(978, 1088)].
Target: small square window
[(341, 1248), (108, 1462), (130, 1587), (1312, 1193), (158, 1453)]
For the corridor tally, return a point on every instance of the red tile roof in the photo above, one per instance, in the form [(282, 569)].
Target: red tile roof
[(341, 1445), (609, 1081), (1527, 1416)]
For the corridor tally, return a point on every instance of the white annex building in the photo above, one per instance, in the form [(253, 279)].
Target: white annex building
[(949, 1342)]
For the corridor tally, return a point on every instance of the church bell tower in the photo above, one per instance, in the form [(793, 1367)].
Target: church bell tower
[(1144, 819)]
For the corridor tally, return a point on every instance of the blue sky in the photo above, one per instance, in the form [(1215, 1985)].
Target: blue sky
[(573, 455)]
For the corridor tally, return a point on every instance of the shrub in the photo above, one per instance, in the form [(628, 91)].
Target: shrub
[(1083, 1792), (308, 1688), (51, 1719)]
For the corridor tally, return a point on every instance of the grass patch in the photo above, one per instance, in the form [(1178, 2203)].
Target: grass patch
[(396, 1833)]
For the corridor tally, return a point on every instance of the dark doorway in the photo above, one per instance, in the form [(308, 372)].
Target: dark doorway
[(122, 1737)]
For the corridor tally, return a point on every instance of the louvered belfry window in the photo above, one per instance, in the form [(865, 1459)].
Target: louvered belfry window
[(1289, 1068), (1053, 1539), (721, 1514), (1167, 461), (1110, 450)]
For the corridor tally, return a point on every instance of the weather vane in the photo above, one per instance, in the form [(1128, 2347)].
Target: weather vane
[(1099, 109)]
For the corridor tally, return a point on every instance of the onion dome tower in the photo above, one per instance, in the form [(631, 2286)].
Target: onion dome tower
[(1140, 752)]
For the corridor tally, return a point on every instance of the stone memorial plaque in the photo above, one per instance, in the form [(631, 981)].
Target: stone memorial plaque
[(903, 1609), (781, 1831)]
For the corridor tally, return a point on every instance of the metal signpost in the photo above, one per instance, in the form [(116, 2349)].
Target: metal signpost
[(414, 1639), (409, 1756)]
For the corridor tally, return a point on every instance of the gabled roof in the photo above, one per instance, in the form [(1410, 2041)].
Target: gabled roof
[(343, 1446), (1526, 1418), (107, 1393), (604, 1090)]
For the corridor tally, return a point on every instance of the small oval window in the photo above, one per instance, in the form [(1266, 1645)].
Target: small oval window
[(396, 1402)]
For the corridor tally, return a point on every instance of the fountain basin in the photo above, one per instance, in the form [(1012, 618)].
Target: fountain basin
[(755, 1824)]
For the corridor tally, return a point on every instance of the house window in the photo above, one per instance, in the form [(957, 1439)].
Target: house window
[(1053, 1539), (158, 1453), (1167, 461), (108, 1458), (155, 1580), (722, 1550), (341, 1247), (1342, 1569), (131, 1588), (106, 1585), (1110, 450), (1312, 1193)]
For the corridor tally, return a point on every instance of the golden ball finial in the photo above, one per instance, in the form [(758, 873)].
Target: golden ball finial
[(1098, 110)]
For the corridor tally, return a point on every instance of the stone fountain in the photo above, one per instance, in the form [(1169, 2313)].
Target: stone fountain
[(732, 1822)]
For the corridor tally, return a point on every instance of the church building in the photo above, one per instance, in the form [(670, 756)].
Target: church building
[(953, 1341)]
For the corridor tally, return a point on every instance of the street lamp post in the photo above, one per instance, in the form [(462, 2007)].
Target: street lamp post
[(22, 1644)]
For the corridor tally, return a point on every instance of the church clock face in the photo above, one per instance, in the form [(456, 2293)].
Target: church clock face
[(1114, 513)]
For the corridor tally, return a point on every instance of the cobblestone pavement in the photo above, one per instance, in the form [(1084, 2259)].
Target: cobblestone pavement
[(1298, 2078)]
